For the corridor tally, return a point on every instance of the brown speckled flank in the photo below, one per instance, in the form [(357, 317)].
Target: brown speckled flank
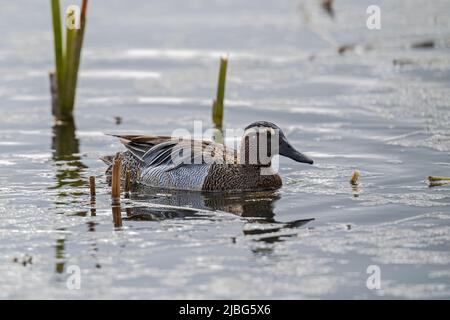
[(223, 177)]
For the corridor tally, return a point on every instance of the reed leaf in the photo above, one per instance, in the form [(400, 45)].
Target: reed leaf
[(71, 35), (58, 47)]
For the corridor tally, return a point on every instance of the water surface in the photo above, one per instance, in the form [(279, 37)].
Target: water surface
[(381, 107)]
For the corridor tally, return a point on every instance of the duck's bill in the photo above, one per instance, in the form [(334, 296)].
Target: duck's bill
[(293, 154)]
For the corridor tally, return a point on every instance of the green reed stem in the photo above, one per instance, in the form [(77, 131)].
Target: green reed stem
[(218, 103)]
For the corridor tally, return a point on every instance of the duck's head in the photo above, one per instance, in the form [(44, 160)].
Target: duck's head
[(261, 138)]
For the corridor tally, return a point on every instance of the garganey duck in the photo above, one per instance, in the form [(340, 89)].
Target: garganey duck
[(203, 165)]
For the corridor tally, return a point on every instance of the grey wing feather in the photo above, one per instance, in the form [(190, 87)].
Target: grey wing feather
[(139, 145), (174, 153)]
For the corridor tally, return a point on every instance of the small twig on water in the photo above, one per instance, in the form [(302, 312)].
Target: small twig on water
[(115, 191), (92, 186), (438, 178), (355, 177)]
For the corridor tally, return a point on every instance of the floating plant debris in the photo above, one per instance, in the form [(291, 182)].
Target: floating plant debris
[(403, 62), (25, 260), (437, 181), (438, 178), (346, 48), (118, 120), (355, 177), (426, 44), (327, 6)]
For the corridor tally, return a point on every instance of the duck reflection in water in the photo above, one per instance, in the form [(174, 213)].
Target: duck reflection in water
[(257, 208), (65, 146)]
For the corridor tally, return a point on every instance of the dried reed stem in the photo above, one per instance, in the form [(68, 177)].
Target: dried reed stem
[(115, 191), (92, 186)]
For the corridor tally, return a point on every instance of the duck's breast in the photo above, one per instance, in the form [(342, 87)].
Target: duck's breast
[(186, 177)]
